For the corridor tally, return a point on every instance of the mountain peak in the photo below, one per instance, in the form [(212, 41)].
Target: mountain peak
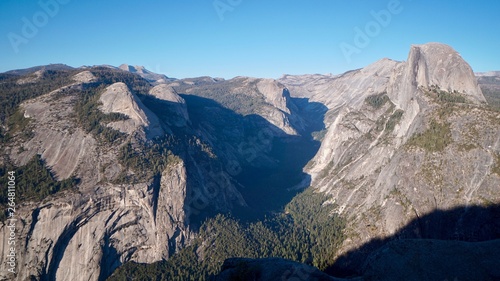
[(134, 69), (144, 73), (434, 46), (439, 64)]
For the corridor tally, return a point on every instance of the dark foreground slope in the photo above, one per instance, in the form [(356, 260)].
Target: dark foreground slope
[(436, 251)]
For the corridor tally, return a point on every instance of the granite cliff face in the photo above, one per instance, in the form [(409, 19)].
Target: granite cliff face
[(175, 104), (103, 224), (439, 64), (118, 99), (246, 96), (409, 138)]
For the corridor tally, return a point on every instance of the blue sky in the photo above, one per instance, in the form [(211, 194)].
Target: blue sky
[(226, 38)]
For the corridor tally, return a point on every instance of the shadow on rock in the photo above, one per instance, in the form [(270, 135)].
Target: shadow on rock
[(458, 244)]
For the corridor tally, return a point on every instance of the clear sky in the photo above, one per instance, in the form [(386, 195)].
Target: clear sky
[(227, 38)]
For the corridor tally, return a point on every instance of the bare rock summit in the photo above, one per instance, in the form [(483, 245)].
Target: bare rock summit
[(118, 99)]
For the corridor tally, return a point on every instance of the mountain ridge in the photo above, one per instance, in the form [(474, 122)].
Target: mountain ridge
[(384, 144), (360, 162)]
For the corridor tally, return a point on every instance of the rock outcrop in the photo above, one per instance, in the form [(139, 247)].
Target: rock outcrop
[(438, 64), (173, 103), (118, 99), (84, 77), (152, 77)]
